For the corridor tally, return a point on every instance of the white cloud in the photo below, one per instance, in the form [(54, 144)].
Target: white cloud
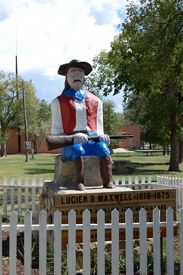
[(52, 32)]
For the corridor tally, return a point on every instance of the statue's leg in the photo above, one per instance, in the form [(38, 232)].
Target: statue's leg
[(75, 153), (79, 168), (106, 172), (101, 150)]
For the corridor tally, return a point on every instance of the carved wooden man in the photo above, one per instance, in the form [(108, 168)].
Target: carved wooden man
[(79, 113)]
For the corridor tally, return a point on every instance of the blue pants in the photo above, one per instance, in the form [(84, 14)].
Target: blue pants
[(91, 148)]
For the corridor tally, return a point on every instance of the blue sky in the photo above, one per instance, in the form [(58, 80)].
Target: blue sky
[(47, 33)]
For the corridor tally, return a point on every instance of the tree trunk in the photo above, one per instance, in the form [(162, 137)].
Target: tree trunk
[(180, 151), (174, 156), (3, 150), (164, 150), (3, 142)]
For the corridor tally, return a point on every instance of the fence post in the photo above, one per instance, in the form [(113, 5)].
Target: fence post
[(136, 183), (28, 243), (181, 239), (42, 242), (156, 241), (129, 241), (86, 242), (57, 242), (143, 240), (115, 242), (72, 243), (0, 245), (33, 196), (13, 243), (19, 197), (12, 183), (5, 198), (101, 242), (170, 241), (26, 194)]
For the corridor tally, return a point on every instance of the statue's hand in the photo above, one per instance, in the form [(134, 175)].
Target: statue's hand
[(80, 138), (105, 138)]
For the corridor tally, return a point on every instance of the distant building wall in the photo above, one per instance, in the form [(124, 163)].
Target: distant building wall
[(131, 143), (12, 144)]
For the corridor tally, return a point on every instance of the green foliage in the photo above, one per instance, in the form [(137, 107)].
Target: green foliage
[(50, 263), (146, 61), (101, 77), (9, 100), (12, 110), (122, 261), (155, 122), (39, 123), (94, 262), (10, 105), (94, 82), (112, 120)]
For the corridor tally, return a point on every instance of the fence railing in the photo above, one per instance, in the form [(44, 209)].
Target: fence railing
[(71, 255)]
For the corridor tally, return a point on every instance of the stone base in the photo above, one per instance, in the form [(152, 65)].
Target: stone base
[(65, 172), (50, 198)]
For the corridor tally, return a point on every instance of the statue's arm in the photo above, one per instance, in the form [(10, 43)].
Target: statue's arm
[(56, 125)]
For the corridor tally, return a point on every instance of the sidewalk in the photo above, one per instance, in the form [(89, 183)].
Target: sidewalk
[(122, 150)]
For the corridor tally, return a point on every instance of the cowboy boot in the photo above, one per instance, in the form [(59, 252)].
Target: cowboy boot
[(106, 172), (79, 168)]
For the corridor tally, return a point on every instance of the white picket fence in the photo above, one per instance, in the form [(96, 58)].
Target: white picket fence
[(172, 182), (20, 195), (23, 194), (57, 227)]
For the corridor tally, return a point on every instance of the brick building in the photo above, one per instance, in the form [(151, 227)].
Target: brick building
[(131, 143), (16, 144)]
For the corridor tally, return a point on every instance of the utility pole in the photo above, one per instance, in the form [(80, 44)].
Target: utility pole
[(16, 72), (27, 144)]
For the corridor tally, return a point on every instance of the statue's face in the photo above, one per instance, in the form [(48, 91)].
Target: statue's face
[(75, 78)]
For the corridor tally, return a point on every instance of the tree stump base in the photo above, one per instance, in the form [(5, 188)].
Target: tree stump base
[(65, 172)]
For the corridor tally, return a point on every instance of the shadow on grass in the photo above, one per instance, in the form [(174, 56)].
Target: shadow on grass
[(149, 172), (137, 164), (38, 171), (141, 172), (45, 164), (142, 168)]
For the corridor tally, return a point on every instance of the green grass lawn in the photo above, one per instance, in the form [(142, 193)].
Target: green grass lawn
[(148, 165), (42, 166)]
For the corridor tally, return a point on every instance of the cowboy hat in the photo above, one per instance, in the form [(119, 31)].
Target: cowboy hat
[(75, 63)]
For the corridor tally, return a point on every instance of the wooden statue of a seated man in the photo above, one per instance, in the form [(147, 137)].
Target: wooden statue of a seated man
[(78, 113)]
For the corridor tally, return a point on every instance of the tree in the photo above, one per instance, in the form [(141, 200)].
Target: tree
[(40, 124), (12, 112), (38, 116), (154, 121), (9, 106), (112, 120), (146, 59)]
